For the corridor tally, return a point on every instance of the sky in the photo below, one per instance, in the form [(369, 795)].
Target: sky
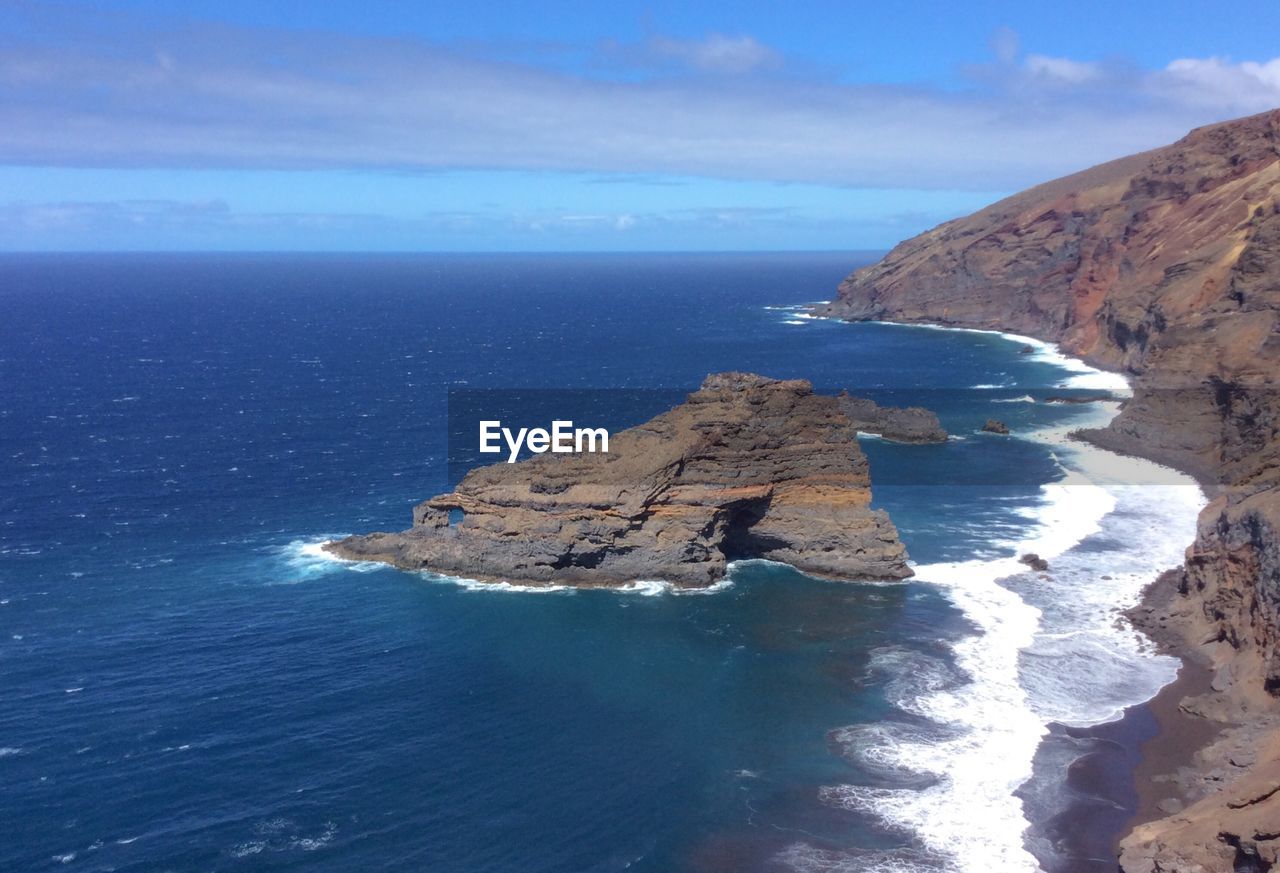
[(556, 126)]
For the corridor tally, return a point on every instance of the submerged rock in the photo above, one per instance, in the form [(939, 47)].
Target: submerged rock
[(912, 424), (746, 467)]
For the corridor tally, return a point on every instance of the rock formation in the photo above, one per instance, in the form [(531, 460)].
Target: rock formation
[(995, 425), (1035, 562), (912, 424), (747, 467), (1165, 265)]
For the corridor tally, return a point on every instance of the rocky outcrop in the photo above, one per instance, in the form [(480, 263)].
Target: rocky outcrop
[(911, 424), (1165, 265), (747, 467), (996, 426)]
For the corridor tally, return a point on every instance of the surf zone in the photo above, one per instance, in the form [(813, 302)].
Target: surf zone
[(562, 437)]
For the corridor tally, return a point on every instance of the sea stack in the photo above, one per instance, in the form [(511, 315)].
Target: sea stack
[(746, 467)]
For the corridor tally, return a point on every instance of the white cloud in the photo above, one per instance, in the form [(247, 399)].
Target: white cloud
[(1062, 70), (1247, 86), (238, 97), (179, 225), (1005, 44), (718, 53)]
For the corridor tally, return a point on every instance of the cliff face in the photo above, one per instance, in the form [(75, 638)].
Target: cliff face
[(747, 467), (1165, 265)]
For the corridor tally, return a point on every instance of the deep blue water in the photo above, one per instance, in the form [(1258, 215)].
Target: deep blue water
[(185, 689)]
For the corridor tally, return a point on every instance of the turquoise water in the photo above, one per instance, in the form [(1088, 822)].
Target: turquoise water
[(188, 685)]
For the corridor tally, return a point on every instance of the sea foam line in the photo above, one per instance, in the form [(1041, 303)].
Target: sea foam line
[(310, 558), (1037, 656)]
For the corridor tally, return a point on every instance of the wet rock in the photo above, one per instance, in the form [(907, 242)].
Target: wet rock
[(912, 424), (1035, 562)]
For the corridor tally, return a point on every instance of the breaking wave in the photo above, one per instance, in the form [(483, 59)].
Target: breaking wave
[(967, 734)]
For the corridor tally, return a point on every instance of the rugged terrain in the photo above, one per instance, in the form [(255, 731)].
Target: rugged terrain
[(747, 467), (1165, 265), (912, 424)]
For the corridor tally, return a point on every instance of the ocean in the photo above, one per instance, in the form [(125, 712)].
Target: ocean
[(190, 684)]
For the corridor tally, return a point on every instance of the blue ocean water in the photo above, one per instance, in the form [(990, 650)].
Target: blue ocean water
[(189, 685)]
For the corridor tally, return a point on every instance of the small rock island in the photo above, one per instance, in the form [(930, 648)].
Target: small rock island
[(914, 424), (746, 467)]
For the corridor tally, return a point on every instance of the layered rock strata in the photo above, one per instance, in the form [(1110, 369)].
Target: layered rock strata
[(747, 467), (1164, 265)]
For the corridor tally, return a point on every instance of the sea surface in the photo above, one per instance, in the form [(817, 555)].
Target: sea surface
[(188, 684)]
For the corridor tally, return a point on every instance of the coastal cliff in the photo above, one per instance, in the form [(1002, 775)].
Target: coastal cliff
[(1164, 265), (747, 467)]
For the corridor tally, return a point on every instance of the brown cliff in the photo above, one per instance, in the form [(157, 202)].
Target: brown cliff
[(747, 467), (1165, 265)]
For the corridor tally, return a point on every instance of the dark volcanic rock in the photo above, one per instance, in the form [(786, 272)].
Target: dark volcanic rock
[(912, 424), (747, 467), (1035, 562), (1070, 400), (1165, 265), (994, 425)]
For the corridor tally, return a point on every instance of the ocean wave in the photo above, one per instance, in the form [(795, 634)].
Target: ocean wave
[(640, 587), (308, 558), (806, 858), (1107, 527), (1079, 374), (503, 587), (875, 747)]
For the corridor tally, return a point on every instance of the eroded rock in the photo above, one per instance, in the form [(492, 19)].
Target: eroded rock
[(747, 467), (911, 424)]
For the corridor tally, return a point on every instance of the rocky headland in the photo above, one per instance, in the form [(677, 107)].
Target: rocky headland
[(911, 424), (746, 467), (1164, 265)]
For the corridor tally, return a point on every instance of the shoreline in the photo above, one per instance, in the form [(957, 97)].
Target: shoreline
[(1126, 723), (1151, 739)]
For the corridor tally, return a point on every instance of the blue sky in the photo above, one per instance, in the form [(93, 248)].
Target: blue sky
[(587, 126)]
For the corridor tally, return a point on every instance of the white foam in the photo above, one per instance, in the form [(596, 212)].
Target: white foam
[(1081, 375), (1046, 649), (805, 858), (504, 587), (308, 558)]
